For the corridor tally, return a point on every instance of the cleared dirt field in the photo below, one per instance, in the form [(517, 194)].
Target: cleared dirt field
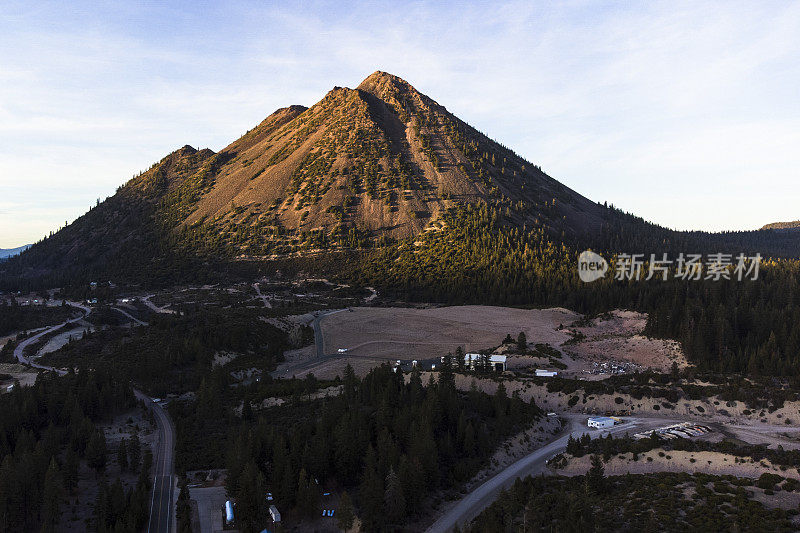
[(402, 333)]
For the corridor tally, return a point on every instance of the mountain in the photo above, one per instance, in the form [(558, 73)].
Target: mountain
[(364, 166), (10, 252), (783, 226), (378, 166)]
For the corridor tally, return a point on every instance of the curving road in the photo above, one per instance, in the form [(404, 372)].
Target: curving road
[(319, 340), (19, 351), (481, 497)]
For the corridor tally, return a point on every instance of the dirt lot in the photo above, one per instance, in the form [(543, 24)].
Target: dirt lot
[(382, 333), (403, 333)]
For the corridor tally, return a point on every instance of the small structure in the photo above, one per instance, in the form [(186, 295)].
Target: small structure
[(228, 512), (274, 514), (497, 363), (600, 422), (545, 373)]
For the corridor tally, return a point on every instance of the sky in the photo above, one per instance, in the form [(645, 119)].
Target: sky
[(684, 113)]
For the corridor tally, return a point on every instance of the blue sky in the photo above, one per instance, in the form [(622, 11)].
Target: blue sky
[(686, 113)]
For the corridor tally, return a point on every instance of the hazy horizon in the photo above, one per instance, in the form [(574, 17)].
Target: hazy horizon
[(683, 113)]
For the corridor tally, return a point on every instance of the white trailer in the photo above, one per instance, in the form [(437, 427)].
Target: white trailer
[(228, 512)]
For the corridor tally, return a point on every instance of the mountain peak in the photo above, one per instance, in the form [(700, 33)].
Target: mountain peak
[(383, 84)]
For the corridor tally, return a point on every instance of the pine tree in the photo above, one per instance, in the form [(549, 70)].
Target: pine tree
[(134, 452), (522, 342), (250, 499), (96, 451), (307, 495), (52, 491), (595, 477), (183, 511), (371, 494), (394, 499), (70, 474)]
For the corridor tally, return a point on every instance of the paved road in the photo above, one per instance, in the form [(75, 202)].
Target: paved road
[(153, 307), (19, 351), (480, 498), (290, 369), (161, 504), (130, 316)]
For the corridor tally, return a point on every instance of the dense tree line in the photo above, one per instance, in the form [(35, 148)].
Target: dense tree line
[(388, 442), (46, 430), (14, 317)]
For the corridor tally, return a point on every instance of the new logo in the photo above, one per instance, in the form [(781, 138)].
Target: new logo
[(591, 266)]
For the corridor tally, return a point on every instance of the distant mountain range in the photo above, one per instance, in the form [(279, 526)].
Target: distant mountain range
[(10, 252), (783, 226)]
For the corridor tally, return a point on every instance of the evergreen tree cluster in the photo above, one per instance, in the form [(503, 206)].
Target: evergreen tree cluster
[(46, 430), (388, 442)]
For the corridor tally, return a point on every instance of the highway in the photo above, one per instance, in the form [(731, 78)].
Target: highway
[(481, 497), (161, 504), (161, 515)]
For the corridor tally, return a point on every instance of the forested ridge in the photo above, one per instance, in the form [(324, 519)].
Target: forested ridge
[(725, 325)]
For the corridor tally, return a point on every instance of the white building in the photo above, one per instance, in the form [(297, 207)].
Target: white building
[(545, 373), (600, 422), (496, 362)]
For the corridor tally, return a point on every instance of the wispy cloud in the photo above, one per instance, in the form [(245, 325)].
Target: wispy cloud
[(658, 107)]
